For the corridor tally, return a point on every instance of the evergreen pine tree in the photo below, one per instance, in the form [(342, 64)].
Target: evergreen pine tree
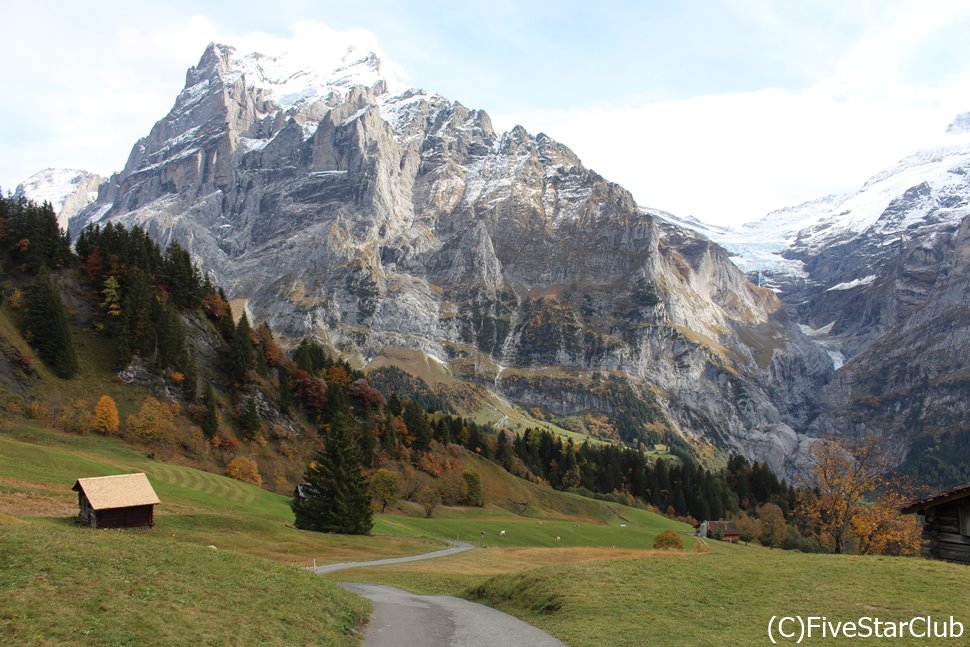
[(286, 395), (241, 351), (250, 418), (394, 404), (169, 336), (48, 329), (503, 451), (417, 424), (190, 379), (210, 424), (335, 496)]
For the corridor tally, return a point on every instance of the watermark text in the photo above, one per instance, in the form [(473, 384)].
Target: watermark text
[(797, 628)]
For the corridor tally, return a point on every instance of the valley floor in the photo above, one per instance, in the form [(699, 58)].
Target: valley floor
[(598, 584)]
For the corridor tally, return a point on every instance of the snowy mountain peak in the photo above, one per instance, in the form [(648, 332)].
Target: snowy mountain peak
[(960, 125), (291, 78), (67, 190)]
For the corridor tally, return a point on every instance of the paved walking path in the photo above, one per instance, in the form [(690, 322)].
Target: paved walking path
[(457, 548), (403, 619)]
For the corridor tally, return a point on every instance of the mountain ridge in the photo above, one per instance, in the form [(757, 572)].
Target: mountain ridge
[(375, 220)]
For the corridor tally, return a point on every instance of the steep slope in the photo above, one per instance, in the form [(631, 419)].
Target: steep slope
[(381, 221), (67, 190)]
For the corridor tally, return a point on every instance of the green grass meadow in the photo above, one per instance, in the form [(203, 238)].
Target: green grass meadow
[(63, 584), (599, 585)]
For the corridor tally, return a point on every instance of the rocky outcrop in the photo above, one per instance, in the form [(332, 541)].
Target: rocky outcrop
[(377, 221)]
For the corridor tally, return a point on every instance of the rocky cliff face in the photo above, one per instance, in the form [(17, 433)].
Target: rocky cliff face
[(913, 380), (868, 277), (380, 221)]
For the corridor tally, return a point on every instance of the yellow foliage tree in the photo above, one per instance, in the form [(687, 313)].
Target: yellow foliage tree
[(846, 474), (748, 527), (16, 300), (668, 540), (106, 419), (244, 469), (155, 421), (774, 528)]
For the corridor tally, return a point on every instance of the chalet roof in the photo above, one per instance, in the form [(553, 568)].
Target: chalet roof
[(120, 491), (725, 527), (939, 498)]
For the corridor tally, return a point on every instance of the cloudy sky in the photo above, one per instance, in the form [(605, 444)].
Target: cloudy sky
[(720, 109)]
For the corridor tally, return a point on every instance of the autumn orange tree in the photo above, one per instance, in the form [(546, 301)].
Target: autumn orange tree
[(850, 496)]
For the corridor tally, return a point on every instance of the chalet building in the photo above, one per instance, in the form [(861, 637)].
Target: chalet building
[(723, 530), (122, 501), (945, 518)]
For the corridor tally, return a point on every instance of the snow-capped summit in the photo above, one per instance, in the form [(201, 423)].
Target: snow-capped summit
[(67, 190), (960, 125), (771, 245), (289, 80)]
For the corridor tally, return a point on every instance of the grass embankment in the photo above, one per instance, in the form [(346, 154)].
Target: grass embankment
[(63, 584)]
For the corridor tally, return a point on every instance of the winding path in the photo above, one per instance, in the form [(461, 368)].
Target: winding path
[(403, 619), (457, 548)]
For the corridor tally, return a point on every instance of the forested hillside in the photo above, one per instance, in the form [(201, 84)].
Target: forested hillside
[(146, 346)]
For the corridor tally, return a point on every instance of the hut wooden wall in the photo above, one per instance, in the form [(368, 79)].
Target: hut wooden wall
[(85, 511), (941, 534), (141, 516)]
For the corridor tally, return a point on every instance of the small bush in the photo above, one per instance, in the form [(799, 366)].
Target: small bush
[(668, 540)]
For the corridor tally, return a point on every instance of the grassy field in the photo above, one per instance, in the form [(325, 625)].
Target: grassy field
[(531, 516), (67, 584), (593, 597)]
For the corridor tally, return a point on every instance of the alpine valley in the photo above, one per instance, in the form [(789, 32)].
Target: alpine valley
[(401, 229)]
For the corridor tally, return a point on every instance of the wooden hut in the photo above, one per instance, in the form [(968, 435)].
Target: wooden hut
[(723, 530), (122, 501), (945, 518)]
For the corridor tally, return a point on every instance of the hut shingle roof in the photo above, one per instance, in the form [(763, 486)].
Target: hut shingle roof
[(953, 494), (120, 491)]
